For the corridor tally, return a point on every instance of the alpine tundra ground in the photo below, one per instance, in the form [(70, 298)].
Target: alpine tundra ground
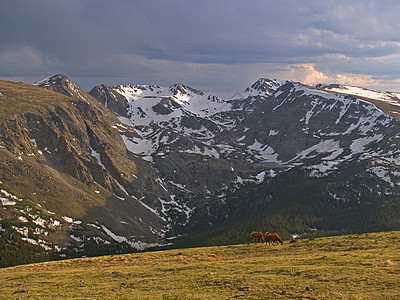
[(365, 266)]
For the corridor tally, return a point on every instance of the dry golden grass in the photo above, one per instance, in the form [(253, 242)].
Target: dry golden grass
[(346, 267), (16, 98)]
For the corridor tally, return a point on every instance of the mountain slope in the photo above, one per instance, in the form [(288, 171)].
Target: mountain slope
[(64, 161), (256, 151), (128, 167)]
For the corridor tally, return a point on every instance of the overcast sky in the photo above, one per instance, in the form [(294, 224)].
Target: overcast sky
[(217, 46)]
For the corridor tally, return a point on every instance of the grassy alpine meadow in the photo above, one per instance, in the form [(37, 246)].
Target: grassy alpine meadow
[(364, 266)]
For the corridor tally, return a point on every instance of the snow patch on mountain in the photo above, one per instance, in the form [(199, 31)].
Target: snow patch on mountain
[(96, 156), (389, 97), (330, 147), (122, 239), (48, 81), (8, 199), (264, 152), (359, 145)]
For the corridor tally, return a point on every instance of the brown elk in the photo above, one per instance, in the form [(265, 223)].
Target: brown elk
[(257, 235), (272, 237)]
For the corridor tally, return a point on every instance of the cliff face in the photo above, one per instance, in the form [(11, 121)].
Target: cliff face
[(110, 99)]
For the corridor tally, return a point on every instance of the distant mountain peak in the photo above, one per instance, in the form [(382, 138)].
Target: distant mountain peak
[(61, 84), (183, 89), (266, 85), (262, 87), (51, 80)]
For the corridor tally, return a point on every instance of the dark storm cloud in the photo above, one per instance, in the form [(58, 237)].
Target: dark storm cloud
[(197, 42)]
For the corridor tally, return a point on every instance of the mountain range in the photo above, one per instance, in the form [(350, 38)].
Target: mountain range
[(131, 167)]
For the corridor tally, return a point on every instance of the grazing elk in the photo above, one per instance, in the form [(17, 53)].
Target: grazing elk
[(257, 235), (272, 237)]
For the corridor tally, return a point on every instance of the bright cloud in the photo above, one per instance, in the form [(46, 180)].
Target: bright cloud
[(305, 73), (357, 80), (308, 74)]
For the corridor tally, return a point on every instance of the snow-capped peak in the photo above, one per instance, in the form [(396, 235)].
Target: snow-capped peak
[(184, 90), (151, 104), (135, 91)]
